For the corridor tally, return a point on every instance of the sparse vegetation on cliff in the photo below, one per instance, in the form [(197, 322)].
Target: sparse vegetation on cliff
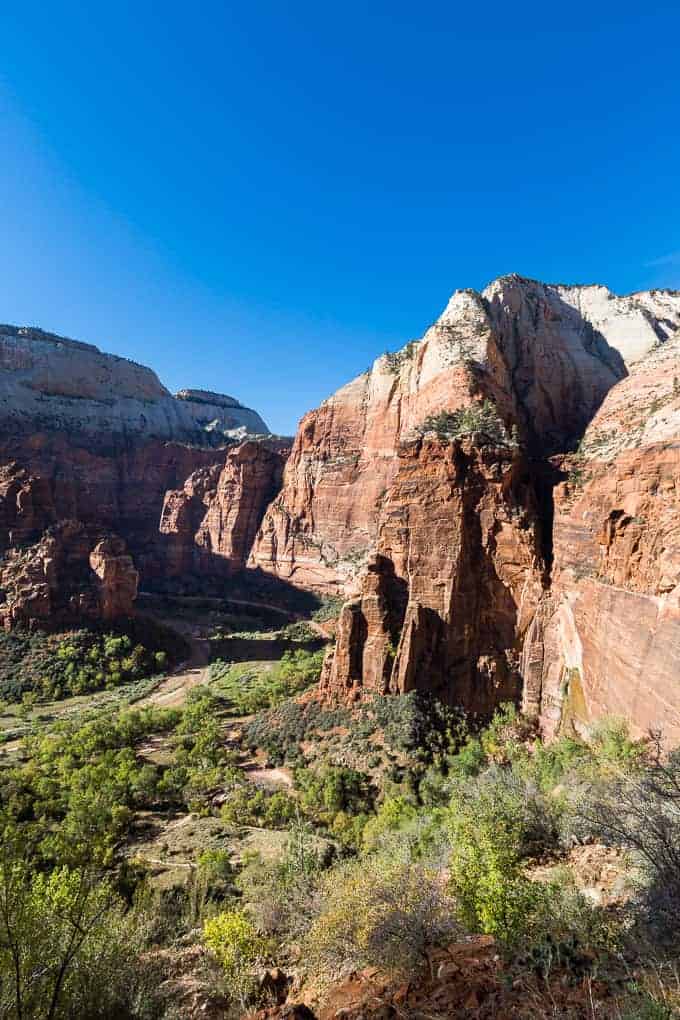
[(479, 420)]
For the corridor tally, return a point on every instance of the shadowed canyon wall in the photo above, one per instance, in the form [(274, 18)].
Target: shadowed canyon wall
[(92, 451)]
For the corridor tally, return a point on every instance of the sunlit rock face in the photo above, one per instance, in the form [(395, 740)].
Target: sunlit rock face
[(456, 580), (360, 513), (606, 641), (51, 383)]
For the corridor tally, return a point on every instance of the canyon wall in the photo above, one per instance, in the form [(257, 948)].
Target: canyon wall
[(90, 447), (454, 584), (480, 572), (498, 502), (50, 383), (606, 639), (547, 356)]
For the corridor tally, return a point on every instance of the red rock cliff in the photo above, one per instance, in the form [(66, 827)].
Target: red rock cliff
[(457, 577), (446, 579), (208, 526), (606, 640)]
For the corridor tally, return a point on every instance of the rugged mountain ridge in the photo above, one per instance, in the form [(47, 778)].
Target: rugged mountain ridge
[(48, 383), (538, 558), (461, 581), (90, 444)]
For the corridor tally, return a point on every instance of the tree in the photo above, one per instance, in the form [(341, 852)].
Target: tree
[(67, 947)]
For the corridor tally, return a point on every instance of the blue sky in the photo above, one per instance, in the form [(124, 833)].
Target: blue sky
[(260, 198)]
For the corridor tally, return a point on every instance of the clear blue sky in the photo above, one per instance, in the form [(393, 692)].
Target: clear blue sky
[(261, 197)]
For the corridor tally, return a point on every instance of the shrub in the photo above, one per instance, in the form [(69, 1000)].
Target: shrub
[(282, 895), (68, 948), (416, 722), (231, 937), (640, 810), (480, 420), (382, 911), (394, 814)]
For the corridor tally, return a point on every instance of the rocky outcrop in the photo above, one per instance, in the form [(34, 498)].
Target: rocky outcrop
[(73, 573), (546, 355), (606, 640), (90, 444), (207, 527), (26, 506), (118, 490), (48, 383), (563, 582), (457, 577)]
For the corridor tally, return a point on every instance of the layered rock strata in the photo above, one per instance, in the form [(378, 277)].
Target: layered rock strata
[(208, 526), (606, 639), (90, 444), (546, 355), (454, 584), (581, 612), (48, 382), (72, 574)]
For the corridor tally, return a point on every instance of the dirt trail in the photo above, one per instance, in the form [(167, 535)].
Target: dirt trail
[(171, 692)]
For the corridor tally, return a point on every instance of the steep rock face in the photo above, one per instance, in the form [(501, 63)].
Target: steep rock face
[(26, 506), (96, 441), (48, 382), (606, 640), (119, 490), (451, 591), (208, 525), (72, 573), (323, 528), (546, 355)]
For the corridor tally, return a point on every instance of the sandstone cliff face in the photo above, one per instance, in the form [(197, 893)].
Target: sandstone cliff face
[(89, 446), (459, 589), (73, 573), (546, 355), (455, 582), (606, 640), (208, 525), (50, 383)]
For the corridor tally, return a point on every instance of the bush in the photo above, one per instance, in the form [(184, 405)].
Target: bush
[(381, 911), (68, 947), (231, 937), (393, 815), (479, 420), (282, 895), (640, 810)]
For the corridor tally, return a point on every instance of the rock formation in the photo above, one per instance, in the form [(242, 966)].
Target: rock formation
[(606, 638), (547, 356), (561, 582), (538, 557), (210, 523), (73, 573), (454, 584), (48, 383), (97, 441)]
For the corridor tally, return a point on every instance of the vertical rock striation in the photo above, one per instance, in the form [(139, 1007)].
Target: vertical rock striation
[(606, 640), (456, 579)]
